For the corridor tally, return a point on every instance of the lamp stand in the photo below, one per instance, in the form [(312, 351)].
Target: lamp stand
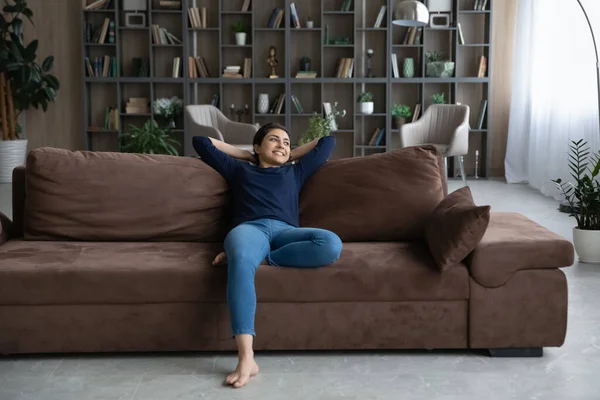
[(597, 62)]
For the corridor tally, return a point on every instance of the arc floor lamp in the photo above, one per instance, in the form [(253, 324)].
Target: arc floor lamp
[(597, 62)]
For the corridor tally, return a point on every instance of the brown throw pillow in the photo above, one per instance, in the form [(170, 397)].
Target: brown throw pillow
[(456, 228)]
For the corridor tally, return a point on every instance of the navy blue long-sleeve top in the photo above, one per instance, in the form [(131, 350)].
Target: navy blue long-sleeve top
[(264, 192)]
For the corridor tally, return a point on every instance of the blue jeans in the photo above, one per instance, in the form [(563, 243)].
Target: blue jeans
[(281, 244)]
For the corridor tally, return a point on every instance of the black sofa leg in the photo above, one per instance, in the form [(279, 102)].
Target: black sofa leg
[(517, 352)]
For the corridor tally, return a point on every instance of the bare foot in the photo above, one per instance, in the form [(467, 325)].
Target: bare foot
[(246, 368), (220, 259)]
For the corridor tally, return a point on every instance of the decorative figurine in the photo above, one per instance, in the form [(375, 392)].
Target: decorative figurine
[(272, 61), (369, 70)]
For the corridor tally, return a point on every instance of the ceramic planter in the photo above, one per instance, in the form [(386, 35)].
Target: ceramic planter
[(587, 245), (366, 107)]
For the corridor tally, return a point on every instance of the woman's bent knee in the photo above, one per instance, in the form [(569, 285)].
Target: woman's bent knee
[(332, 246)]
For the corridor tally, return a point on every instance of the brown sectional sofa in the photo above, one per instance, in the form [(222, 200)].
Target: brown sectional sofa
[(111, 252)]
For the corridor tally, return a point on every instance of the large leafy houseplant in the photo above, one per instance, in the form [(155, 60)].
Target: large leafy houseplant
[(23, 82), (583, 195), (149, 139)]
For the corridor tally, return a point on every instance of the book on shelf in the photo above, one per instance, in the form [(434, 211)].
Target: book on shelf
[(482, 110), (197, 17), (140, 67), (105, 66), (111, 119), (395, 70), (416, 113), (294, 16), (176, 73), (380, 17), (480, 5), (345, 68), (277, 105), (482, 67), (215, 100), (461, 38), (306, 74), (163, 36), (297, 104), (170, 4), (346, 5), (96, 4), (276, 18), (378, 137), (246, 5), (413, 35), (247, 71), (137, 105)]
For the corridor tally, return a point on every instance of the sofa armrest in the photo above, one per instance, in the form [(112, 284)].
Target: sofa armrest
[(513, 242), (6, 228)]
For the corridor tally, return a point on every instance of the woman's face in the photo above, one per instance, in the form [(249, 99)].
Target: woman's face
[(274, 149)]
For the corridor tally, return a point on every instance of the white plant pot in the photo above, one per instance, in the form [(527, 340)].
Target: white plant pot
[(587, 245), (366, 108), (12, 154), (240, 38)]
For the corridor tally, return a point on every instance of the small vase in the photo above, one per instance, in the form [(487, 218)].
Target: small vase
[(408, 70), (309, 24), (366, 107), (263, 103)]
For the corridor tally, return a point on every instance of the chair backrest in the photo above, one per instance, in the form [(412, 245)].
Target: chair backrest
[(206, 114), (442, 120)]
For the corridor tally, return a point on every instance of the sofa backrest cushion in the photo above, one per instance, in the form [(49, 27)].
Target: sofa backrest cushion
[(102, 196), (382, 197)]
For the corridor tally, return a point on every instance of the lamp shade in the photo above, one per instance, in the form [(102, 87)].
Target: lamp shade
[(410, 13)]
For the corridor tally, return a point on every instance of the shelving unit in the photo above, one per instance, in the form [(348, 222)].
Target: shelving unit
[(216, 44)]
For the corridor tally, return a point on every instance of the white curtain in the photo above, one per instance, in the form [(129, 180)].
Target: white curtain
[(554, 96)]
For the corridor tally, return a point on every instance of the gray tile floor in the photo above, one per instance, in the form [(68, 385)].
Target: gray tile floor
[(569, 372)]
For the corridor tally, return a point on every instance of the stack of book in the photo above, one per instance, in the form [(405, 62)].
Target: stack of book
[(140, 67), (306, 74), (170, 4), (107, 30), (197, 17), (163, 36), (247, 68), (345, 68), (198, 67), (137, 105), (111, 119), (232, 71)]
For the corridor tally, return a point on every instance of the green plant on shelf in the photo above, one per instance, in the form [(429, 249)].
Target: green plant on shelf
[(149, 139), (320, 125), (169, 109), (365, 97), (434, 56), (401, 111), (438, 98), (240, 27)]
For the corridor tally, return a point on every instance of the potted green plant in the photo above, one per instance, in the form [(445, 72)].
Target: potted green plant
[(321, 125), (583, 197), (240, 28), (23, 84), (149, 139), (400, 112), (365, 102), (438, 66), (169, 109), (305, 63), (438, 98)]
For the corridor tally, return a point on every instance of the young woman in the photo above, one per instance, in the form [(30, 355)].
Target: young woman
[(264, 188)]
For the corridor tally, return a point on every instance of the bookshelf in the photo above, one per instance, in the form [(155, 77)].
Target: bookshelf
[(355, 32)]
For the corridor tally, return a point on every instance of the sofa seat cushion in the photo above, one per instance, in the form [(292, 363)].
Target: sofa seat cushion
[(39, 272)]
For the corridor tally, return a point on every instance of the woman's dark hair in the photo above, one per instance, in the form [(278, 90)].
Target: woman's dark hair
[(266, 128)]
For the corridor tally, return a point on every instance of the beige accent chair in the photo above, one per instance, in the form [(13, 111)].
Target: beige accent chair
[(208, 120), (446, 127)]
